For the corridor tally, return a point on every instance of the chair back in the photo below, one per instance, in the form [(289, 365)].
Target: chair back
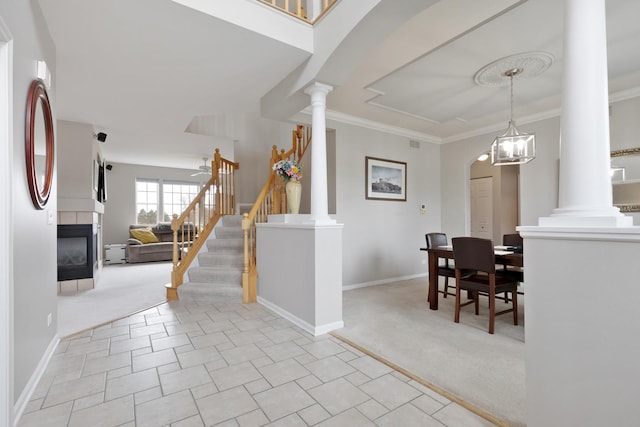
[(436, 239), (512, 240), (474, 253)]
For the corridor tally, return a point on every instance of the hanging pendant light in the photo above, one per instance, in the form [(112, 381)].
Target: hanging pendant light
[(513, 147)]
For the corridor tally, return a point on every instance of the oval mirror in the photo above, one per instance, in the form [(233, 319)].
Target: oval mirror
[(39, 144)]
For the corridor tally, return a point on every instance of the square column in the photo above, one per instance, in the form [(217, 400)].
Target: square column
[(300, 271), (581, 326)]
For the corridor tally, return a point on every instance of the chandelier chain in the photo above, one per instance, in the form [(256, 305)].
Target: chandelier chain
[(511, 85)]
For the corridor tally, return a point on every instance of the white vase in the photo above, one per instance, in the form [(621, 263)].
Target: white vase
[(293, 189)]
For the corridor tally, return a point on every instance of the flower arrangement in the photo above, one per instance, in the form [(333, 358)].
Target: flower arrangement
[(288, 170)]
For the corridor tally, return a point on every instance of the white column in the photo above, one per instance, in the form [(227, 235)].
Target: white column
[(319, 200), (585, 197)]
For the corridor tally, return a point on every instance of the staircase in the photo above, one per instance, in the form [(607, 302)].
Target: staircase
[(219, 272)]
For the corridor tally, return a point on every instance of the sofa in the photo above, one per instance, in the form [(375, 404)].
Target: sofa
[(149, 243)]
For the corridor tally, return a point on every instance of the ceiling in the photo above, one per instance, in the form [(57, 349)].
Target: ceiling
[(143, 70)]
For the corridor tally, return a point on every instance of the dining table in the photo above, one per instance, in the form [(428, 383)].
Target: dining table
[(502, 254)]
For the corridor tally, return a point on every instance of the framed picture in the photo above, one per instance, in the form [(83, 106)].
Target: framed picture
[(385, 179)]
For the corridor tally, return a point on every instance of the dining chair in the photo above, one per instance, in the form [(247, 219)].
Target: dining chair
[(514, 239), (511, 272), (473, 253), (445, 270)]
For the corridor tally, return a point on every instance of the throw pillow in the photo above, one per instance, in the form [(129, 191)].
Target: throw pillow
[(145, 235)]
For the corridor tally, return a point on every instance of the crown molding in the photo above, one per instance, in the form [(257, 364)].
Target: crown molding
[(623, 95), (421, 136), (500, 127), (370, 124)]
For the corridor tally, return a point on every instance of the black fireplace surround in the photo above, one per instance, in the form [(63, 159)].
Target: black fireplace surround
[(76, 251)]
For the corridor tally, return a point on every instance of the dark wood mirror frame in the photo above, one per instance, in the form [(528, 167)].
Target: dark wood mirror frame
[(38, 97)]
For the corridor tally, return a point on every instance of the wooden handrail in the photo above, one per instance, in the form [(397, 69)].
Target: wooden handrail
[(296, 7), (271, 200), (194, 225)]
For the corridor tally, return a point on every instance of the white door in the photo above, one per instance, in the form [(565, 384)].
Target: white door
[(482, 208)]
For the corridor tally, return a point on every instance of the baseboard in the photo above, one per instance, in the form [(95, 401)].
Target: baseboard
[(382, 282), (306, 326), (26, 394)]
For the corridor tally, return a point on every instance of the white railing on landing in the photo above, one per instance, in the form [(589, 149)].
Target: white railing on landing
[(297, 7)]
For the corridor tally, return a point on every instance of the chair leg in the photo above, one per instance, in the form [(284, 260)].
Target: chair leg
[(446, 286), (492, 310), (514, 300), (456, 317), (476, 301)]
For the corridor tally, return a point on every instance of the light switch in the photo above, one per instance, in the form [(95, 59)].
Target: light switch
[(50, 217), (423, 208)]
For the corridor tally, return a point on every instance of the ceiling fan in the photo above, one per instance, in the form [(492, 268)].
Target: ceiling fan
[(204, 169)]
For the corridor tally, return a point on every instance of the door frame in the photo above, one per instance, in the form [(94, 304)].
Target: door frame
[(6, 225)]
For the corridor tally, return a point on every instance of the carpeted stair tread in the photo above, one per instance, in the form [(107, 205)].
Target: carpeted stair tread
[(216, 275), (219, 272), (225, 245), (229, 233), (203, 291), (220, 259), (232, 221)]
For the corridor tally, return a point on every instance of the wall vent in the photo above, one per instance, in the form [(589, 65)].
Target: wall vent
[(414, 144)]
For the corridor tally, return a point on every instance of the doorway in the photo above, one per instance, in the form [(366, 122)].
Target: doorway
[(6, 225), (494, 200), (481, 207)]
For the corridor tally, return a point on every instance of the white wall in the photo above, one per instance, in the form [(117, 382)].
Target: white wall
[(34, 241), (253, 151), (77, 150), (6, 222), (381, 239)]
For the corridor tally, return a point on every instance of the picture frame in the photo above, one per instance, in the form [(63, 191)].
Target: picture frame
[(385, 179)]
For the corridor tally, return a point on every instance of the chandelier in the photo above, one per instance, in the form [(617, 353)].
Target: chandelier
[(513, 147)]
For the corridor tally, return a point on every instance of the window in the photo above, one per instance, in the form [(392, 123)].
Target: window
[(158, 201), (176, 197), (147, 201)]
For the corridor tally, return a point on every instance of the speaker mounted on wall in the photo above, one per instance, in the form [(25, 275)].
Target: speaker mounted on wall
[(101, 136)]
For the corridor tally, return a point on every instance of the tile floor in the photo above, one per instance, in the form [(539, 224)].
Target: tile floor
[(226, 364)]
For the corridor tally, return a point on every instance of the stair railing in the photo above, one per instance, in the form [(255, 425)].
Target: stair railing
[(192, 228), (271, 200), (296, 7)]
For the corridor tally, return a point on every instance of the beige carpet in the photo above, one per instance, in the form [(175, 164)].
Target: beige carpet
[(122, 289), (488, 371)]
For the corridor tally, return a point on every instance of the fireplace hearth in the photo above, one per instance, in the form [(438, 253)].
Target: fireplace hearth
[(76, 251)]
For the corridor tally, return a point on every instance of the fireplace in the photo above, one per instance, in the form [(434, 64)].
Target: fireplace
[(76, 251)]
